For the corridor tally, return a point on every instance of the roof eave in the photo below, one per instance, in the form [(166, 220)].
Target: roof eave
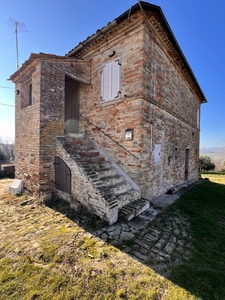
[(124, 16)]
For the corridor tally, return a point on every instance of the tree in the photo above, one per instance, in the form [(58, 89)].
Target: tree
[(2, 154), (206, 164), (7, 150)]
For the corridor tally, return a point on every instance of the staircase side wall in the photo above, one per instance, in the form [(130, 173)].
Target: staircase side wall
[(84, 191)]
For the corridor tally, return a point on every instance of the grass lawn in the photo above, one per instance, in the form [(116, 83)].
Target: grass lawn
[(204, 273), (45, 255)]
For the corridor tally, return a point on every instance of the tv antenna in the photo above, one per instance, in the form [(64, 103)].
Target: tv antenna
[(16, 26)]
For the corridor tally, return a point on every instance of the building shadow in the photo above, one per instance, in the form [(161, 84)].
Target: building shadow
[(164, 243)]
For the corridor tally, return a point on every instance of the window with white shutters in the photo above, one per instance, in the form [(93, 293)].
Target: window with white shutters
[(110, 81)]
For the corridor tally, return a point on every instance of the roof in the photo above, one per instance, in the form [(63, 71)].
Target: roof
[(35, 57), (141, 5)]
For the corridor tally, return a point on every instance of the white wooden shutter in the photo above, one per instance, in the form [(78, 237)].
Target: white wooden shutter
[(105, 82), (115, 79), (110, 81)]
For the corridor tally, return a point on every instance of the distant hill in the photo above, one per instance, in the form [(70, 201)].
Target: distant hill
[(217, 154)]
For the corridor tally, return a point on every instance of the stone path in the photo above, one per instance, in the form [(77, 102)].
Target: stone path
[(159, 240)]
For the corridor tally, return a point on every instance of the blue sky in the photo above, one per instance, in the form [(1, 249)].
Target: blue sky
[(57, 26)]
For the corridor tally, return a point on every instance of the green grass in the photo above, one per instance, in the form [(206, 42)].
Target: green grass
[(46, 255), (204, 273)]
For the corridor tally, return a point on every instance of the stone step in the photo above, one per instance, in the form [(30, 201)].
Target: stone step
[(128, 197), (133, 209), (93, 159), (112, 180), (106, 172), (74, 142), (82, 147), (96, 166), (90, 153), (120, 188)]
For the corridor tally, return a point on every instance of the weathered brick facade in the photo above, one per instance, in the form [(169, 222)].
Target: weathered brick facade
[(159, 100), (39, 122)]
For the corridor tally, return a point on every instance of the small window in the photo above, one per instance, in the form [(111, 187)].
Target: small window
[(198, 118), (30, 94), (26, 95), (110, 81)]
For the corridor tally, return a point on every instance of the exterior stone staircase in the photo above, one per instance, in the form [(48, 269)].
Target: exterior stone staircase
[(116, 189)]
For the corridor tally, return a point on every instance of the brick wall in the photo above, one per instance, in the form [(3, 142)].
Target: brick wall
[(40, 106), (51, 121), (27, 123), (158, 101)]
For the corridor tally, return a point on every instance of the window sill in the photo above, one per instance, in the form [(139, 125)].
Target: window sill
[(110, 102)]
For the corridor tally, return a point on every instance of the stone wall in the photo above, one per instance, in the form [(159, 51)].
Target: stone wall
[(158, 100)]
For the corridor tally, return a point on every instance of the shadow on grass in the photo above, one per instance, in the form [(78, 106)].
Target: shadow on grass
[(202, 272)]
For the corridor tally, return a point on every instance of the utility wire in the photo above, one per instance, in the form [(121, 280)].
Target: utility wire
[(6, 87), (7, 104)]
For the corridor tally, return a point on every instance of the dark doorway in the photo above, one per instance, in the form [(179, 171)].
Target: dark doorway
[(62, 176), (71, 105), (186, 163)]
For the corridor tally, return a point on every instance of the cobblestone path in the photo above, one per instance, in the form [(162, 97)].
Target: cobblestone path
[(155, 238)]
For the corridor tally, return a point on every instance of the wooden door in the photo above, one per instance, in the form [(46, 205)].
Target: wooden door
[(62, 176)]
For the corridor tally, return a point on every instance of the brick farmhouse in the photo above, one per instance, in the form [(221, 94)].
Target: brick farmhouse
[(112, 124)]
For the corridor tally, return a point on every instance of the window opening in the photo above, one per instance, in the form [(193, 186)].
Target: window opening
[(26, 95), (30, 94)]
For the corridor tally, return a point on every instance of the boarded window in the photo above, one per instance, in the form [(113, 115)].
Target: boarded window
[(110, 81), (157, 152)]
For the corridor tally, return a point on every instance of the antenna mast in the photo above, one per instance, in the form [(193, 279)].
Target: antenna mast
[(16, 26)]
